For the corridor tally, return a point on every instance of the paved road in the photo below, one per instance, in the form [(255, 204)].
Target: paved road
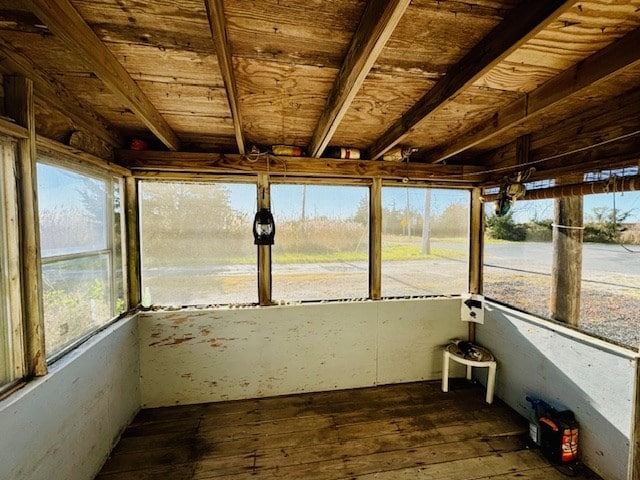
[(535, 257), (597, 259)]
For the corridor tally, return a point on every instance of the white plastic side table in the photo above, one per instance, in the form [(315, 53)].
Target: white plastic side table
[(486, 361)]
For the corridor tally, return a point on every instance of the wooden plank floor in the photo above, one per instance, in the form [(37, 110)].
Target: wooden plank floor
[(408, 431)]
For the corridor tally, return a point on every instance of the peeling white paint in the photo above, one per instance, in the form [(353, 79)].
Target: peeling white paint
[(200, 356)]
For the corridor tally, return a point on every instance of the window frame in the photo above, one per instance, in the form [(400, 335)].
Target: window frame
[(111, 181), (10, 282)]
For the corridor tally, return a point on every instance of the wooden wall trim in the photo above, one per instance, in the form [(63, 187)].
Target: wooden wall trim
[(20, 106), (264, 251), (598, 68), (476, 249), (218, 27), (12, 129), (11, 218), (133, 241), (522, 23), (375, 239), (58, 150), (476, 241), (67, 25), (296, 166), (378, 22)]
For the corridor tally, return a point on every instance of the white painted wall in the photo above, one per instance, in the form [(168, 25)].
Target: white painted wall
[(569, 370), (64, 425), (206, 356)]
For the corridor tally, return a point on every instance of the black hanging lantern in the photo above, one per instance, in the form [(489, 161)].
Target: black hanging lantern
[(264, 229)]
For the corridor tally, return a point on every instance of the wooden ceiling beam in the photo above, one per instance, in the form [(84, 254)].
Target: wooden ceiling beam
[(218, 26), (69, 27), (598, 68), (521, 24), (601, 137), (378, 22), (617, 154), (149, 161), (51, 92), (616, 118)]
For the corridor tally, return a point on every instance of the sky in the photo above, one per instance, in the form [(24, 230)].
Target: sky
[(58, 187)]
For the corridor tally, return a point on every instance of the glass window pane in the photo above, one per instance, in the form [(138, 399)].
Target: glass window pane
[(77, 299), (72, 211), (321, 247), (197, 243), (424, 261), (518, 254), (80, 234)]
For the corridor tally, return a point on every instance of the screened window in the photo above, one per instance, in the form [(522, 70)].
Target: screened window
[(425, 241), (80, 236), (197, 243), (321, 246), (519, 256), (610, 289)]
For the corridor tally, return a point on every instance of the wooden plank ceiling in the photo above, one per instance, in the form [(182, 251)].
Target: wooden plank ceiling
[(458, 81)]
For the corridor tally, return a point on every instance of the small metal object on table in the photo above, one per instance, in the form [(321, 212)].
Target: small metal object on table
[(486, 360)]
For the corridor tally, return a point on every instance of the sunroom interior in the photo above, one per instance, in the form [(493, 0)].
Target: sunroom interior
[(413, 154)]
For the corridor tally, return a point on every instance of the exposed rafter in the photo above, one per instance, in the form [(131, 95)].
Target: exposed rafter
[(51, 92), (617, 117), (598, 68), (216, 163), (522, 23), (376, 26), (68, 26), (606, 136), (218, 26)]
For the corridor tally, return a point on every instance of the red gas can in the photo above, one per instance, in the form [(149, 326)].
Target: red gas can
[(559, 436)]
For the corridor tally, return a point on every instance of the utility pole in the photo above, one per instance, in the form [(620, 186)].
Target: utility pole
[(426, 223)]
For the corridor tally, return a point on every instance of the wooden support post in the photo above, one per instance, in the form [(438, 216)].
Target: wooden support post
[(566, 272), (264, 251), (19, 105), (133, 241), (375, 240), (476, 250)]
